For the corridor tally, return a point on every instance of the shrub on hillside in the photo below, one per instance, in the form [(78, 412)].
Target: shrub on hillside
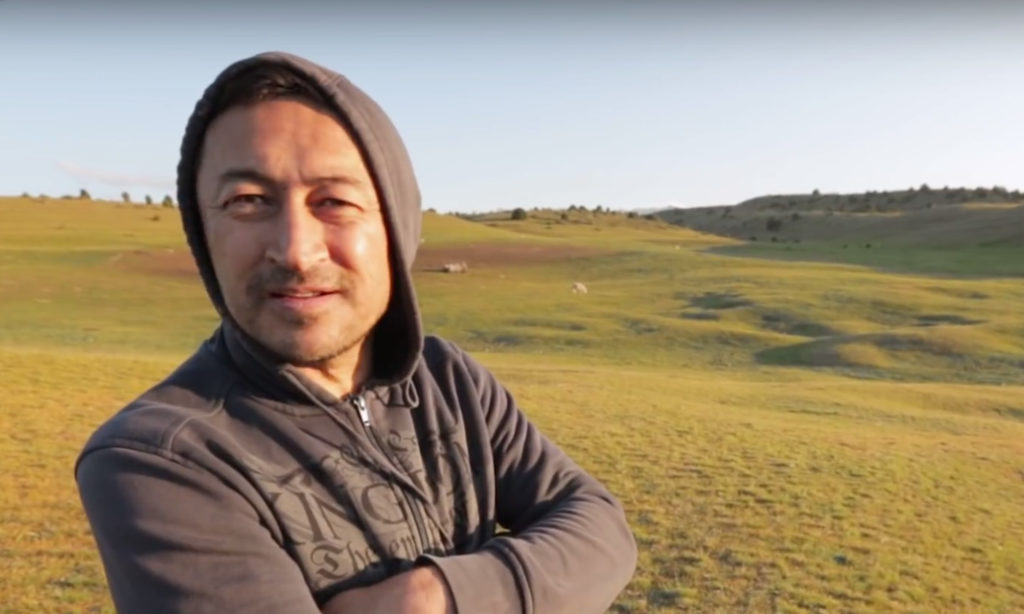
[(167, 201), (84, 194), (518, 213)]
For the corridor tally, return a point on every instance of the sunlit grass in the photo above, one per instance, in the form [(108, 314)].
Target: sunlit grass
[(785, 436)]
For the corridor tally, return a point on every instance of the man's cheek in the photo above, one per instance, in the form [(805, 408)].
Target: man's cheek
[(353, 248)]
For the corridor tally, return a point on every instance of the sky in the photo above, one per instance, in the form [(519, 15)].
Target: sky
[(629, 105)]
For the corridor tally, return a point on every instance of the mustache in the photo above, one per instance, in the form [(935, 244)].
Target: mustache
[(269, 279)]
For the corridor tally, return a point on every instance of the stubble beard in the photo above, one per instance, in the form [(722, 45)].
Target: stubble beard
[(288, 336), (308, 341)]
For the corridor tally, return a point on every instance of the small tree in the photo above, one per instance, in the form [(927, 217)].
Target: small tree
[(167, 201), (126, 197), (519, 213), (84, 194), (773, 224), (148, 199)]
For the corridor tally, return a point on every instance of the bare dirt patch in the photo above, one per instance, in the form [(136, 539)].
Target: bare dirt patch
[(160, 263), (179, 262), (489, 255)]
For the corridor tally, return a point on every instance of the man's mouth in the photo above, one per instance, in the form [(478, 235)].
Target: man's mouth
[(300, 292), (304, 300)]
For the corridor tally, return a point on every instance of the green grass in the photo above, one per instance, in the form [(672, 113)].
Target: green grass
[(786, 436), (964, 261)]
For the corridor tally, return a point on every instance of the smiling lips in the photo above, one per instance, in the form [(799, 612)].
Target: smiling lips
[(300, 292), (301, 299)]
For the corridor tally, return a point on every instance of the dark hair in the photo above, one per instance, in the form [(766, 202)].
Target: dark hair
[(265, 82)]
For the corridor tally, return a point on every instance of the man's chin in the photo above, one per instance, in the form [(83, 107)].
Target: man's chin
[(310, 343), (308, 353)]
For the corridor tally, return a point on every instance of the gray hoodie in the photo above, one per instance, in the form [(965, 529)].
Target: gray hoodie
[(237, 485)]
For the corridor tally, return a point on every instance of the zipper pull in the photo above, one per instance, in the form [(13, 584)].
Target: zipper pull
[(364, 411)]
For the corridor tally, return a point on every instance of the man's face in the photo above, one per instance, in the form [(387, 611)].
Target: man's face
[(294, 229)]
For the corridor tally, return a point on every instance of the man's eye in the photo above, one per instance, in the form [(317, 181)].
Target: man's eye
[(244, 202), (334, 203), (338, 208)]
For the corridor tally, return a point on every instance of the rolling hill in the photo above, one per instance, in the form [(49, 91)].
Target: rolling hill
[(936, 218)]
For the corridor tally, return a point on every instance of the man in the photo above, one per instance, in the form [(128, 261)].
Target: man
[(318, 454)]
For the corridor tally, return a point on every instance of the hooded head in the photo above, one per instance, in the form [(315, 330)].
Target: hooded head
[(327, 171)]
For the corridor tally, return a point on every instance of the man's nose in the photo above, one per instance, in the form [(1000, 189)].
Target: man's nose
[(299, 241)]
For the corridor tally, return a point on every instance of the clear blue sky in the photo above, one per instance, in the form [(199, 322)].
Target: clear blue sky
[(625, 104)]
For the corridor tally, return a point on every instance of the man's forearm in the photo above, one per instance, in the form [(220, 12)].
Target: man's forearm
[(421, 590), (570, 548), (577, 558)]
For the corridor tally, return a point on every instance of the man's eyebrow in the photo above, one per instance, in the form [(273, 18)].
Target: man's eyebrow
[(244, 174), (350, 181), (248, 174)]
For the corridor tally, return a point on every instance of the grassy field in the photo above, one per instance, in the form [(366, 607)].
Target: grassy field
[(786, 435), (959, 261)]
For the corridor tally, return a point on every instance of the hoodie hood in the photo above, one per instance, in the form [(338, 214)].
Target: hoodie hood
[(397, 337)]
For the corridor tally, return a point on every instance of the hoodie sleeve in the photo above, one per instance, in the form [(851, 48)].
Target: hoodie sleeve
[(176, 539), (569, 548)]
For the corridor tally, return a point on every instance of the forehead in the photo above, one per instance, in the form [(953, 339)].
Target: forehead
[(272, 135)]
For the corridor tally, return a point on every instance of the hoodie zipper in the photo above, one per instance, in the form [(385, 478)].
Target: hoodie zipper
[(364, 411), (364, 416)]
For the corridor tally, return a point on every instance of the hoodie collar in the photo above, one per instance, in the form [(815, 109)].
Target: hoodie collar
[(397, 337), (283, 383)]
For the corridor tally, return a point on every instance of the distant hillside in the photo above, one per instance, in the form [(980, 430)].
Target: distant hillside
[(924, 216)]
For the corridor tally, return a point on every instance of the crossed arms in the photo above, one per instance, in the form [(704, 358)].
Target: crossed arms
[(568, 548)]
